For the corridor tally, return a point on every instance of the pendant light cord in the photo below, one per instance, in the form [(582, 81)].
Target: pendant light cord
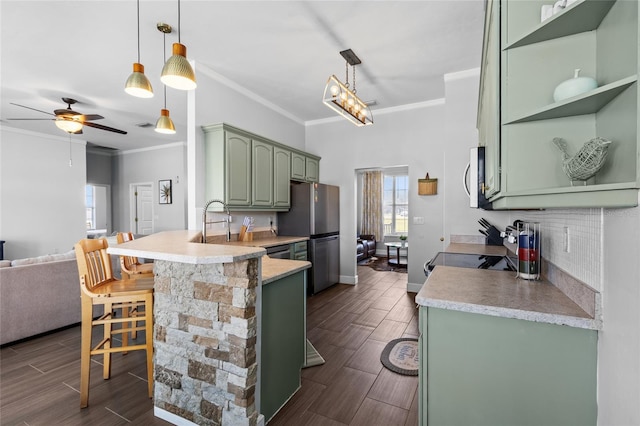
[(179, 22), (138, 8), (164, 60), (70, 160)]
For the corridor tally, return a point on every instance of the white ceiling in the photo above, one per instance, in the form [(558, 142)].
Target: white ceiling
[(282, 51)]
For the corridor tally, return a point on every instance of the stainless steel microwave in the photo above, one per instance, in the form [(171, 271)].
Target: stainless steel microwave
[(474, 179)]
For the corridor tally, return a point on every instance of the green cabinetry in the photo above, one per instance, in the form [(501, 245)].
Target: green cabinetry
[(600, 37), (250, 172), (299, 250), (262, 173), (281, 177), (283, 341), (304, 168), (485, 370)]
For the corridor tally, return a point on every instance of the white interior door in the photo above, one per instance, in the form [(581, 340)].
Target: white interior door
[(142, 208)]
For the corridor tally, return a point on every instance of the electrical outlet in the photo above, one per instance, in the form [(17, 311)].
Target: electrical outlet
[(566, 245)]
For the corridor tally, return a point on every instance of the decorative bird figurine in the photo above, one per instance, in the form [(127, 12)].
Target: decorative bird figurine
[(587, 161)]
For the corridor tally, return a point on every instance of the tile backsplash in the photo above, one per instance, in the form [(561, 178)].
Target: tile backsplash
[(583, 260)]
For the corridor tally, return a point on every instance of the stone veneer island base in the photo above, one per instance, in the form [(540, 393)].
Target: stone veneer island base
[(206, 310)]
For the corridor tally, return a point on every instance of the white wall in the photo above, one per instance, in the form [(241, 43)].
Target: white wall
[(43, 199), (412, 137), (435, 138), (150, 166), (219, 100)]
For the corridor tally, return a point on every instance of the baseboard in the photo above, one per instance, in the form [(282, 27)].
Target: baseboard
[(413, 287), (349, 279)]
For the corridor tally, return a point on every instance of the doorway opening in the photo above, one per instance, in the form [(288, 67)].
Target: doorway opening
[(382, 213), (141, 214)]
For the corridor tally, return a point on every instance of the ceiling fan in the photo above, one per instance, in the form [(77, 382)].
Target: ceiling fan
[(69, 120)]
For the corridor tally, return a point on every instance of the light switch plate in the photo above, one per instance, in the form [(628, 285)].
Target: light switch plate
[(418, 220)]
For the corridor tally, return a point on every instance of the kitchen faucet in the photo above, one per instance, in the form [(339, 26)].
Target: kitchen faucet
[(205, 223)]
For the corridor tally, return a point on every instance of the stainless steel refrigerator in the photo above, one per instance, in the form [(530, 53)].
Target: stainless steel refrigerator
[(315, 213)]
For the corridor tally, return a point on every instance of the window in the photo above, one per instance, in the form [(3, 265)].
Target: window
[(395, 208), (90, 207)]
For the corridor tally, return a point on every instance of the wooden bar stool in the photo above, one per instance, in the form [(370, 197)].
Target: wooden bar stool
[(130, 267), (99, 287)]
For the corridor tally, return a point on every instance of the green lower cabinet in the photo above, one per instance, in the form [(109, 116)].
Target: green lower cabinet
[(283, 341), (485, 370)]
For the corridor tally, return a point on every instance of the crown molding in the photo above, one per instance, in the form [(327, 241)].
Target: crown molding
[(42, 135), (151, 148), (248, 93), (383, 111), (473, 72)]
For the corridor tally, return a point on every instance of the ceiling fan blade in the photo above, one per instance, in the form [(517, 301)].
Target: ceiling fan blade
[(66, 112), (48, 119), (90, 117), (39, 110), (101, 127)]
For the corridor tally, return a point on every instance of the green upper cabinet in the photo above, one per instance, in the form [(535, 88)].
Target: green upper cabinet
[(488, 101), (312, 166), (262, 176), (228, 166), (298, 166), (599, 37), (304, 167), (250, 172), (281, 176)]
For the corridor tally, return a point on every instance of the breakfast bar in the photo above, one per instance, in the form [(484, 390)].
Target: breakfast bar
[(208, 325)]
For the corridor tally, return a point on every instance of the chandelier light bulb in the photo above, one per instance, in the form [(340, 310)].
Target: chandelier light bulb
[(334, 90)]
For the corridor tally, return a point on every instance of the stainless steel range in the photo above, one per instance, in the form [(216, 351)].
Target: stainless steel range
[(465, 260)]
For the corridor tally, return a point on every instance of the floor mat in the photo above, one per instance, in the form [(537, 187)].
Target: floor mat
[(401, 356)]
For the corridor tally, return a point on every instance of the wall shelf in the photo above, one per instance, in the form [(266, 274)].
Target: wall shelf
[(579, 17), (587, 103)]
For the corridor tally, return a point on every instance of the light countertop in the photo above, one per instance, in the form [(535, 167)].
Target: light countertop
[(476, 249), (183, 246), (500, 293), (268, 242), (178, 246), (274, 269)]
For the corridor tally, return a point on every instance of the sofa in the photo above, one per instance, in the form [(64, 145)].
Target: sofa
[(365, 247), (38, 295)]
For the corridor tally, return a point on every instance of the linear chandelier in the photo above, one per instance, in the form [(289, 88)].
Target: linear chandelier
[(343, 100)]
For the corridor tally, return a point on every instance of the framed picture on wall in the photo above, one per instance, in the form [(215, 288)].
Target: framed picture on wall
[(165, 191)]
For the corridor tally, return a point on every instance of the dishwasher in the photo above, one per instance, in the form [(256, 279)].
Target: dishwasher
[(282, 251)]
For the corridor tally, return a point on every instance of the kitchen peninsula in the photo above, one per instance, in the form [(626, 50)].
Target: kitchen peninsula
[(208, 311)]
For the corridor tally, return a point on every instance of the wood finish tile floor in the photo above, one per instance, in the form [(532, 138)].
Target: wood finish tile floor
[(348, 325)]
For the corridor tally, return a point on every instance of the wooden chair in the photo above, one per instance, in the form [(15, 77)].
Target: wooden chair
[(130, 267), (99, 287)]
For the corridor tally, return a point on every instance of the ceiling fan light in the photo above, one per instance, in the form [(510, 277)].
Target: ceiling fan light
[(138, 84), (68, 125), (177, 71), (165, 124)]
